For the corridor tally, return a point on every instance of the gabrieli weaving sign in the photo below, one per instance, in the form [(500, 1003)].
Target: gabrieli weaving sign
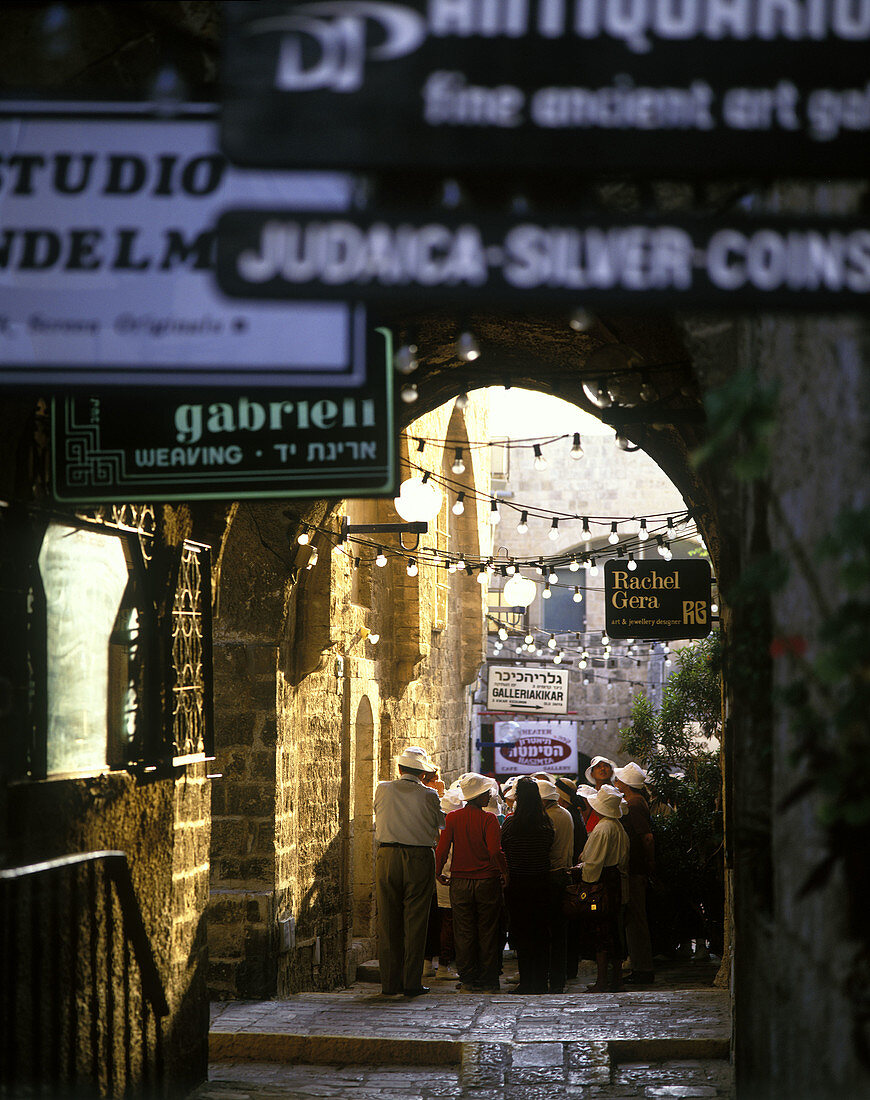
[(652, 87), (664, 600), (525, 747), (244, 443), (516, 688), (107, 227), (382, 256)]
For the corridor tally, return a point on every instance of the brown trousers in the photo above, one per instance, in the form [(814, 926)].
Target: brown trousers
[(477, 905), (404, 883)]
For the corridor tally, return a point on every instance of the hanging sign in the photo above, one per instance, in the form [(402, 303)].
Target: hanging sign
[(216, 444), (664, 600), (378, 257), (107, 218), (650, 87), (519, 689), (525, 747)]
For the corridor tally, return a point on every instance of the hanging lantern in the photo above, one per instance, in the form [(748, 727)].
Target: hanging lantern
[(418, 501), (519, 591)]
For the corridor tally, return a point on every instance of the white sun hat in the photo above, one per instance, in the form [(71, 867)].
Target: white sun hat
[(549, 791), (417, 759), (608, 802), (631, 775), (451, 800), (598, 760), (474, 784)]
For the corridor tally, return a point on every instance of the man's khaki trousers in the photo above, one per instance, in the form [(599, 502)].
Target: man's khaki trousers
[(404, 883)]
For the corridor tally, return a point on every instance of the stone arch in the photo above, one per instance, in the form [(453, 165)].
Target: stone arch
[(362, 822)]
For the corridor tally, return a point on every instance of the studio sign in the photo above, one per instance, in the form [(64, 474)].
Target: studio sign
[(697, 85), (287, 254)]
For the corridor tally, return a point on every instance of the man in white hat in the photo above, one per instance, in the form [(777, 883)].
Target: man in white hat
[(641, 865), (561, 858), (408, 818), (477, 874)]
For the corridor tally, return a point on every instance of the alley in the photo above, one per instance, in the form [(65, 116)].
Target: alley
[(669, 1041)]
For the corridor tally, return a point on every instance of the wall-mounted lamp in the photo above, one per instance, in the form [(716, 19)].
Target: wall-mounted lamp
[(366, 635)]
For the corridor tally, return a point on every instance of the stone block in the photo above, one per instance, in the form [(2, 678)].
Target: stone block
[(537, 1054), (552, 1076)]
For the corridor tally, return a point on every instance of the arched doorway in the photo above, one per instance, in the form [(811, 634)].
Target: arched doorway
[(362, 823)]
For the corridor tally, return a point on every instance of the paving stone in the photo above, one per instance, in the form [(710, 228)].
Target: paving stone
[(537, 1054)]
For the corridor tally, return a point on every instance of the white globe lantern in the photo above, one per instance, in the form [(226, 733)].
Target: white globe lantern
[(418, 501), (519, 591)]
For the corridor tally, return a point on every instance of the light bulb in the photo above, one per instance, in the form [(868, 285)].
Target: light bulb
[(553, 535), (459, 507), (419, 500), (578, 595), (304, 536), (511, 567), (494, 516), (714, 609), (647, 390), (381, 559), (523, 525), (609, 686), (546, 594), (587, 534), (605, 641), (502, 633), (461, 401), (574, 565), (451, 566), (552, 576), (467, 347), (412, 568), (312, 560), (529, 638), (409, 394), (586, 681), (540, 462), (597, 393), (613, 537), (356, 563), (583, 662), (552, 641), (458, 466), (482, 576), (557, 659), (643, 534), (622, 441), (632, 564), (576, 447), (405, 360), (581, 320), (374, 638), (593, 568)]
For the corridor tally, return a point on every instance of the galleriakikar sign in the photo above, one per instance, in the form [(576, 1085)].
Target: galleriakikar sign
[(673, 87), (666, 600)]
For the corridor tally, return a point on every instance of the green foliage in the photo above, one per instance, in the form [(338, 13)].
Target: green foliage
[(741, 416), (685, 775)]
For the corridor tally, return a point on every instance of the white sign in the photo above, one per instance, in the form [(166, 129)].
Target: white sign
[(524, 747), (539, 690), (107, 242)]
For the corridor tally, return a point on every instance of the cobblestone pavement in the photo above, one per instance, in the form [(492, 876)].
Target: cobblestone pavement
[(666, 1042)]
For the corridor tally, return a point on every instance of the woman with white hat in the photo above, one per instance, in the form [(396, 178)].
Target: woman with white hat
[(631, 781), (605, 861)]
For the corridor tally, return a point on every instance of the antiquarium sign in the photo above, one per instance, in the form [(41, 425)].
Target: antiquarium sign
[(386, 256), (107, 225), (200, 444), (680, 87), (525, 747), (517, 688), (659, 599)]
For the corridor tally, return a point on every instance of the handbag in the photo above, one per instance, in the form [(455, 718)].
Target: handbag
[(586, 899)]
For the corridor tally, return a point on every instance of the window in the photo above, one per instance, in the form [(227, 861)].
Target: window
[(560, 612), (81, 648), (500, 458)]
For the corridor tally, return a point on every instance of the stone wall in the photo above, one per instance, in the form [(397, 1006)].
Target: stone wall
[(308, 722)]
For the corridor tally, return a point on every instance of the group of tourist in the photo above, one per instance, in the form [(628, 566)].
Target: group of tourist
[(555, 868)]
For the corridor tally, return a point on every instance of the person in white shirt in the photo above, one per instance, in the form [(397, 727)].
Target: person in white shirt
[(408, 820)]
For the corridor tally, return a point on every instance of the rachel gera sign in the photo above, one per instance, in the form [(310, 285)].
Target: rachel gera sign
[(659, 599)]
